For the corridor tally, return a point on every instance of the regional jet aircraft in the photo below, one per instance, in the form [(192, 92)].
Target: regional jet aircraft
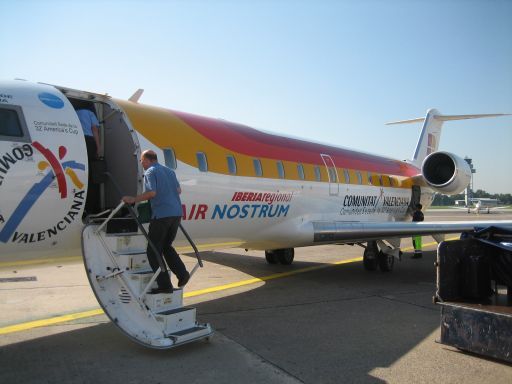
[(241, 188)]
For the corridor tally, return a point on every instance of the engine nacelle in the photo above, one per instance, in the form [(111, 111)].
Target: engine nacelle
[(446, 173)]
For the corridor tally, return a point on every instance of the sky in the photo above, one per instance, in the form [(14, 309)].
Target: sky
[(329, 71)]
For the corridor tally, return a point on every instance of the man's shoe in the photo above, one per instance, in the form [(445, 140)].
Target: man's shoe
[(417, 255), (184, 280), (155, 291)]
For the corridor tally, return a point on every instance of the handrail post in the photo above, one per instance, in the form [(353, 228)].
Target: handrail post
[(199, 261)]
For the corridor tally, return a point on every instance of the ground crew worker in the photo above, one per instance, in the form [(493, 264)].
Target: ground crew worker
[(416, 240)]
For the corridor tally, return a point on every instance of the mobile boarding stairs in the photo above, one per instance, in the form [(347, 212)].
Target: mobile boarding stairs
[(120, 275)]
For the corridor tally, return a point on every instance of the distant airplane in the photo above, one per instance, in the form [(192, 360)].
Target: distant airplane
[(482, 204), (241, 188)]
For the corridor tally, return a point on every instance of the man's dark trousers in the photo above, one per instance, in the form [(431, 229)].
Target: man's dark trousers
[(162, 233)]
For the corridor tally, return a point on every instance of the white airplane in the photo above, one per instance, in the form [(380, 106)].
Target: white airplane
[(241, 188), (485, 205)]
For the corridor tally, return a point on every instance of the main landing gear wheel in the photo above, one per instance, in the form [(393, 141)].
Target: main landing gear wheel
[(386, 262), (271, 257), (370, 261), (283, 256)]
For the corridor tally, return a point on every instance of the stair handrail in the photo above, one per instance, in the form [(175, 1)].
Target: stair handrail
[(160, 259)]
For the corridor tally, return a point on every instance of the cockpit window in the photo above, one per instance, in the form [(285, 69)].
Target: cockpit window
[(12, 124)]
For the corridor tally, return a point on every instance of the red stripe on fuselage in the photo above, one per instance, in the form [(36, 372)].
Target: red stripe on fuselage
[(251, 142), (57, 168)]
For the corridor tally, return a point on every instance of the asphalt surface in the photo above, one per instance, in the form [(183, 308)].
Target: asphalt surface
[(334, 324)]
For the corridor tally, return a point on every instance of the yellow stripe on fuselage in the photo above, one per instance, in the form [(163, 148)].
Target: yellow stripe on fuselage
[(167, 130)]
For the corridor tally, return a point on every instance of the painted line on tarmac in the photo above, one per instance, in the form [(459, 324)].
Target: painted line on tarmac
[(8, 264), (45, 322), (266, 278), (184, 249), (96, 312)]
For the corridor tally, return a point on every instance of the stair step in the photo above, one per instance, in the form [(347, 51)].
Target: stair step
[(134, 262), (122, 234), (174, 311), (185, 331), (127, 244), (198, 331), (175, 320), (128, 252), (162, 302), (139, 280)]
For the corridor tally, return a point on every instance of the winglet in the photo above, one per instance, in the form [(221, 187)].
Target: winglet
[(136, 96)]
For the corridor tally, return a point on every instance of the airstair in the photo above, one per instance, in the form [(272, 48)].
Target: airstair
[(114, 252)]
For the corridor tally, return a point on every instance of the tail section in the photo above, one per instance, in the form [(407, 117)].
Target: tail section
[(428, 141)]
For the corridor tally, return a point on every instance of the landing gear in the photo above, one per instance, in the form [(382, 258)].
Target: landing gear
[(370, 256), (284, 256), (373, 258), (271, 257), (386, 262)]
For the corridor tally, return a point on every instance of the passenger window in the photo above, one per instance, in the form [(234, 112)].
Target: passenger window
[(280, 169), (380, 179), (257, 167), (359, 177), (332, 175), (231, 164), (300, 171), (170, 158), (347, 176), (10, 123), (202, 164), (318, 175)]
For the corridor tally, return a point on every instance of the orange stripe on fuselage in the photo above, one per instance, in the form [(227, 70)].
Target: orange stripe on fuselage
[(188, 134)]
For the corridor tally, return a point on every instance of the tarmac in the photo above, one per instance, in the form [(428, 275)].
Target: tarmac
[(324, 319)]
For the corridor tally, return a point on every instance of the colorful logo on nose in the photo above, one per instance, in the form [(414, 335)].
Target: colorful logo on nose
[(58, 171), (58, 168)]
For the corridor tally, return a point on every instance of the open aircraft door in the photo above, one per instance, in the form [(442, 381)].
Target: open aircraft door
[(332, 173)]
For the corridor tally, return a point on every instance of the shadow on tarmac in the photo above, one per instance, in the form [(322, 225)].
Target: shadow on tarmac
[(328, 326)]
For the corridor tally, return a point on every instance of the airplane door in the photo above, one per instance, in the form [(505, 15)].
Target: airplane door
[(332, 173)]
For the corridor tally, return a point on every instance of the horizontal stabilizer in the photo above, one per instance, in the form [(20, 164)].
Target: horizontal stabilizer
[(449, 118)]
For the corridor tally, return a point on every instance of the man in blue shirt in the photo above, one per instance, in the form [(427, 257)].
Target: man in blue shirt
[(163, 190), (90, 125)]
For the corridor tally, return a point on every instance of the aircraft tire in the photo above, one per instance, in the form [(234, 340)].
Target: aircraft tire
[(386, 262), (370, 261), (271, 257), (285, 256)]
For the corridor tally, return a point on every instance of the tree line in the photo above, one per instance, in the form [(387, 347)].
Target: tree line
[(503, 198)]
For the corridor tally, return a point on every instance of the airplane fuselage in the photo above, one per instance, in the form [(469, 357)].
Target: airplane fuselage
[(241, 187)]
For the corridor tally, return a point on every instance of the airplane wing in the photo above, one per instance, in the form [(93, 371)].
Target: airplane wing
[(348, 232)]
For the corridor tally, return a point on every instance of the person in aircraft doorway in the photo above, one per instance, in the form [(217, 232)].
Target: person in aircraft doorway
[(416, 240), (163, 190), (90, 127)]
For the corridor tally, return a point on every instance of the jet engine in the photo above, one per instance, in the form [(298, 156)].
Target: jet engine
[(446, 173)]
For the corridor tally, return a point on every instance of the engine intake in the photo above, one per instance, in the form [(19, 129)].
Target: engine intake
[(446, 173)]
